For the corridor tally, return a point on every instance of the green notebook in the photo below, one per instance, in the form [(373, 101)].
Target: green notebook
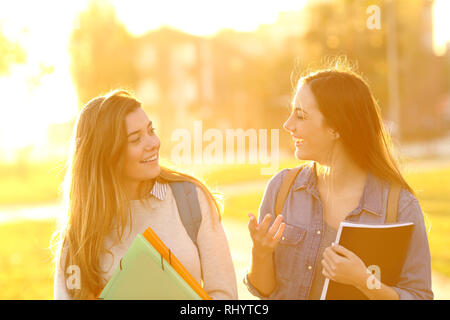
[(144, 275)]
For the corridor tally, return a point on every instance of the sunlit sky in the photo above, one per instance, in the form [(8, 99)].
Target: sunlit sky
[(32, 100), (201, 17)]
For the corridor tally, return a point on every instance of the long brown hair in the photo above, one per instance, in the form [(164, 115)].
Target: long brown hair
[(348, 106), (94, 194)]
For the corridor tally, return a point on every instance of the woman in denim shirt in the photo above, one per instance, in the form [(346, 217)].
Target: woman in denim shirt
[(336, 124)]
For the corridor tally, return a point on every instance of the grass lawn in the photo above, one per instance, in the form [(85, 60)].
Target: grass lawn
[(31, 183), (433, 192), (25, 261), (26, 269), (40, 183)]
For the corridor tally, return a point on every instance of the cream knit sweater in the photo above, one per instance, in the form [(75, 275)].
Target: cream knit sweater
[(211, 262)]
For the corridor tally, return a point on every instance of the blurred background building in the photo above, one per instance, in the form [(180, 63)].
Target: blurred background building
[(232, 65), (236, 79), (245, 79)]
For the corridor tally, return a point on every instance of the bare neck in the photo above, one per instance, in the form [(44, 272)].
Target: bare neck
[(340, 174), (132, 188)]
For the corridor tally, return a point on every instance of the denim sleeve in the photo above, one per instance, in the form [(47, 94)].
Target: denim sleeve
[(415, 279), (267, 206), (255, 291)]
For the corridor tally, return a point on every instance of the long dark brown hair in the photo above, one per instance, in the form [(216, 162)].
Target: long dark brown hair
[(348, 106)]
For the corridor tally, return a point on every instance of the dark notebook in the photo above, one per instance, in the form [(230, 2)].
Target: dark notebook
[(383, 249)]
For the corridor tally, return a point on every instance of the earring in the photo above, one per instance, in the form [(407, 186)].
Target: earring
[(335, 134)]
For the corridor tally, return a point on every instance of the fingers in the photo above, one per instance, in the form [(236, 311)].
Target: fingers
[(328, 274), (279, 233), (342, 251), (273, 240), (275, 226), (329, 268), (331, 256), (265, 235), (262, 228), (328, 259), (252, 224)]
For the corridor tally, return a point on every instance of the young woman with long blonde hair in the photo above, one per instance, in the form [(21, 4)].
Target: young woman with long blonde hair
[(115, 189), (336, 124)]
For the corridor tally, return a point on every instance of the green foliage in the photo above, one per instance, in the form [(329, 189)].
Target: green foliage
[(102, 52)]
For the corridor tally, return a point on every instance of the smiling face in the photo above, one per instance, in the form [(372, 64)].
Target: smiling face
[(142, 151), (313, 139)]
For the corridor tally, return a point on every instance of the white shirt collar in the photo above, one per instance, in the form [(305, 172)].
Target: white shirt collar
[(159, 190)]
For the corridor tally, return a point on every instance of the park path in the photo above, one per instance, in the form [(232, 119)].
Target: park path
[(237, 234)]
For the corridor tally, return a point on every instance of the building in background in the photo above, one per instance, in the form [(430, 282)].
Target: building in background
[(174, 78)]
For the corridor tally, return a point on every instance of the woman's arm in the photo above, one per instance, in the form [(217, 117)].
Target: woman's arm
[(262, 270), (383, 292), (261, 278), (218, 272), (415, 278)]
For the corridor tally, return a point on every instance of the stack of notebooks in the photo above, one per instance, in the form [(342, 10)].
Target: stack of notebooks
[(382, 246), (150, 271)]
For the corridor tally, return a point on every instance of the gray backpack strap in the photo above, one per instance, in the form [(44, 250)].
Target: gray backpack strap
[(392, 203), (285, 186), (185, 194)]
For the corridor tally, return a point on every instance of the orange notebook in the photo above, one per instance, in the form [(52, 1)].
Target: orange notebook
[(165, 252)]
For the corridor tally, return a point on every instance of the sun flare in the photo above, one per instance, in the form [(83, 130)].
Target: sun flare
[(441, 26), (41, 92)]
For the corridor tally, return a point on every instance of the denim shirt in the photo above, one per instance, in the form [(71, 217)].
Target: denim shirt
[(296, 255)]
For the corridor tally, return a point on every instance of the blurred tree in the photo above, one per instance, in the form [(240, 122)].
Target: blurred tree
[(340, 27), (236, 76), (253, 74), (423, 76), (102, 52), (250, 77), (10, 53)]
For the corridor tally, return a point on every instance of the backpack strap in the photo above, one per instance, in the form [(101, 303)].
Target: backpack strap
[(392, 203), (286, 185), (185, 194)]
